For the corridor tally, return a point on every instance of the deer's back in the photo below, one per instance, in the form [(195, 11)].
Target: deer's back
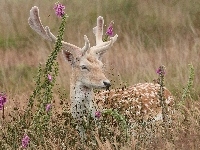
[(138, 101)]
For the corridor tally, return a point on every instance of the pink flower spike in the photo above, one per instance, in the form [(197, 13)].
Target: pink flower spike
[(109, 30), (49, 77), (97, 114), (3, 100), (25, 141), (48, 107), (59, 9), (161, 70)]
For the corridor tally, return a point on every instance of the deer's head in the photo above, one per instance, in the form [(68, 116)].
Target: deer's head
[(87, 67)]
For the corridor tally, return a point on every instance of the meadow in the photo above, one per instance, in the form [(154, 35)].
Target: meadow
[(151, 33)]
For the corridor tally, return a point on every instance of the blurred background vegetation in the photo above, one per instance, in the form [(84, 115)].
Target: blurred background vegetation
[(151, 33)]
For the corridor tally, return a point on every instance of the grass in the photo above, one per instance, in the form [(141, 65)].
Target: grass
[(151, 33)]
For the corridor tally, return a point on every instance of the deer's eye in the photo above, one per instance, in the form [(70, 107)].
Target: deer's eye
[(83, 67)]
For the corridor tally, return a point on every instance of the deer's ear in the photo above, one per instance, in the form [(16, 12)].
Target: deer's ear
[(68, 56)]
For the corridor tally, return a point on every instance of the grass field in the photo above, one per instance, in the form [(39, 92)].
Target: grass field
[(151, 33)]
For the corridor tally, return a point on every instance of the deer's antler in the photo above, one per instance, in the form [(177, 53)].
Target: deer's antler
[(101, 46), (35, 23)]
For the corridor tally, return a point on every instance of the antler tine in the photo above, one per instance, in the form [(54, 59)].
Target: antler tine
[(35, 23), (98, 30), (87, 45)]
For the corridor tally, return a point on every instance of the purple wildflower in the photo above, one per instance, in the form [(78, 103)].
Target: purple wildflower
[(49, 77), (161, 70), (48, 107), (59, 9), (97, 114), (25, 141), (2, 100), (109, 30)]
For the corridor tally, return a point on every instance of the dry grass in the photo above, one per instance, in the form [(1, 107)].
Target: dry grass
[(151, 33)]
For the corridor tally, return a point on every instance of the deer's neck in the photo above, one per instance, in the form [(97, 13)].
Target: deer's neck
[(79, 92), (81, 99)]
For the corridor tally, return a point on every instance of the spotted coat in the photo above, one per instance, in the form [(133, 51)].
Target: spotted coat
[(140, 101)]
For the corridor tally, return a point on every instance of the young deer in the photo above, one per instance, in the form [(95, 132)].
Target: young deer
[(87, 68), (87, 74)]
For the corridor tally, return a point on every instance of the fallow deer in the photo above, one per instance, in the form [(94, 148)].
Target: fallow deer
[(87, 74)]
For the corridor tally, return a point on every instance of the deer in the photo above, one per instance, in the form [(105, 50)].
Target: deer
[(88, 74)]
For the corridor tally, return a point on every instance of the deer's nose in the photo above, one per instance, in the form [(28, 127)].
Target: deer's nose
[(107, 84)]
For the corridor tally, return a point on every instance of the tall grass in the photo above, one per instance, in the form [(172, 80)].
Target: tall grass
[(151, 33)]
